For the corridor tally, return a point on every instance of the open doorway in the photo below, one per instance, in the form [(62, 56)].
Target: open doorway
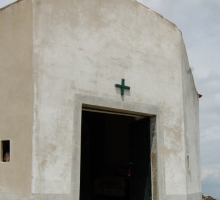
[(115, 157)]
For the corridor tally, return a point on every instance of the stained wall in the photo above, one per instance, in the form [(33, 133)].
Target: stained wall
[(85, 47), (16, 99), (100, 43), (191, 129)]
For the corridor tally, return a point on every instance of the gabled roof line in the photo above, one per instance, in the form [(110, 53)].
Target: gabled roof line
[(174, 25), (3, 8)]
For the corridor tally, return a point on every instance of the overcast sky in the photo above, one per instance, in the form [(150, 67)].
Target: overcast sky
[(199, 21), (5, 2)]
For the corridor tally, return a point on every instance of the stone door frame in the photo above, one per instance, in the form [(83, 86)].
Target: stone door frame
[(107, 104)]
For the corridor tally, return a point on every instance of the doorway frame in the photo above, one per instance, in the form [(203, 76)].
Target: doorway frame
[(133, 108)]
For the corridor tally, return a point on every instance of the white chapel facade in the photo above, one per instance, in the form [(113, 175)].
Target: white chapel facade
[(98, 102)]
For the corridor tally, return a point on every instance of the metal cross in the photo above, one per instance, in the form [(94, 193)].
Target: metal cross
[(122, 86)]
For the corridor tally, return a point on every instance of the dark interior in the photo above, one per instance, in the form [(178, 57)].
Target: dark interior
[(107, 156), (5, 148)]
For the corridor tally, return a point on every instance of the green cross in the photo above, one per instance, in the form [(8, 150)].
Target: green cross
[(122, 86)]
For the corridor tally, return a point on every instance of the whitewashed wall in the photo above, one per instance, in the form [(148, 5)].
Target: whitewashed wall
[(87, 46)]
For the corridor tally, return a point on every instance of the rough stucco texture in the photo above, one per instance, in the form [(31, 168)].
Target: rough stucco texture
[(191, 127), (99, 43), (16, 102), (86, 47)]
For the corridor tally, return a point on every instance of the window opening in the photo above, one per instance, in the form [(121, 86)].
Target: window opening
[(5, 150)]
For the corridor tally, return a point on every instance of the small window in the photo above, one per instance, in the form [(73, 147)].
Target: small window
[(5, 150)]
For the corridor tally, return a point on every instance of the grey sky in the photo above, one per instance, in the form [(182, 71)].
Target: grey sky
[(199, 21), (5, 2)]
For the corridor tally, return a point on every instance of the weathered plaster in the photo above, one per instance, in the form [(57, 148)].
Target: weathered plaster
[(16, 102), (81, 49), (77, 57), (191, 129), (154, 159)]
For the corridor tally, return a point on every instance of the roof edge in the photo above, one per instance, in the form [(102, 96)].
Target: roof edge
[(3, 8), (174, 25)]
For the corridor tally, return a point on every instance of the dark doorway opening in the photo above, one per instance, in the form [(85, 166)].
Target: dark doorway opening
[(115, 157)]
